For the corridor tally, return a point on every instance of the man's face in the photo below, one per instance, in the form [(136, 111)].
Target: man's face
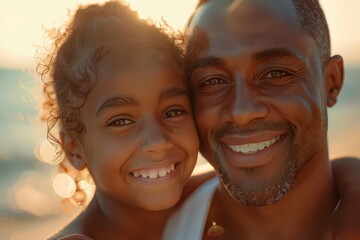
[(258, 94)]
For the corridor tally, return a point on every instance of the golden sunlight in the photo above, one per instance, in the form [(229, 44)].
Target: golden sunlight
[(64, 185), (29, 195), (22, 28), (175, 14), (45, 152)]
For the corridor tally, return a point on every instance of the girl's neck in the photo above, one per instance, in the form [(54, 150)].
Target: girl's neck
[(113, 220)]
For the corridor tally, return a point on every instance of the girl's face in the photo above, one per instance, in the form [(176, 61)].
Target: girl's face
[(140, 143)]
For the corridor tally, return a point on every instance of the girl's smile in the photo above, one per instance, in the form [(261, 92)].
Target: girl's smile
[(136, 144)]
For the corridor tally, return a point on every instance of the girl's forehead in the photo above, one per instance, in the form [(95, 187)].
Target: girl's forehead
[(143, 82), (129, 58)]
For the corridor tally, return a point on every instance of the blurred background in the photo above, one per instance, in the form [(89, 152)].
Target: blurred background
[(32, 192)]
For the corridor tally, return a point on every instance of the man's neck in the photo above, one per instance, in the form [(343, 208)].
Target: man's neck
[(300, 214)]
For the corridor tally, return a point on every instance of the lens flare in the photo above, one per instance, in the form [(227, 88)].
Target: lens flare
[(45, 151), (64, 185)]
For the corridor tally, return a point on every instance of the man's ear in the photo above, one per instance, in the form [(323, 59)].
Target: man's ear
[(73, 149), (334, 78)]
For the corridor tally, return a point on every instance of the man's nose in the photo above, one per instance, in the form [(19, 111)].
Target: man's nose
[(155, 137), (245, 104)]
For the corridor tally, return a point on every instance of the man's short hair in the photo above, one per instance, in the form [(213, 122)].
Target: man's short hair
[(313, 22)]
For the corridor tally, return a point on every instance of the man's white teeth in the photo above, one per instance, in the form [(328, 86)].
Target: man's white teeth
[(253, 147), (154, 173)]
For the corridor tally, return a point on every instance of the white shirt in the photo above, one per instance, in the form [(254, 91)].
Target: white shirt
[(189, 220)]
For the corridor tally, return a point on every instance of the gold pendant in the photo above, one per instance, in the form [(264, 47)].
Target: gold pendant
[(215, 230)]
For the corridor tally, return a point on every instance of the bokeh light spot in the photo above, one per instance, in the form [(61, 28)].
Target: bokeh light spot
[(64, 185), (45, 151)]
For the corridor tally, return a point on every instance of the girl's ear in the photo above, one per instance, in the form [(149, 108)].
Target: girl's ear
[(73, 150), (334, 78)]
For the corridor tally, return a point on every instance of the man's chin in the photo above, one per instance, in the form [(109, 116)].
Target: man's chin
[(254, 198), (252, 190)]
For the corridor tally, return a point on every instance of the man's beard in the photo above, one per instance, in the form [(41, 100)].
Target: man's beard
[(269, 192)]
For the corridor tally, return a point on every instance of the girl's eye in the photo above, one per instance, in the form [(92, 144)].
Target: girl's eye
[(173, 113), (120, 122), (275, 74)]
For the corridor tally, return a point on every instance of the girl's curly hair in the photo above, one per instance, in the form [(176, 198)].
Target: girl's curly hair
[(68, 69)]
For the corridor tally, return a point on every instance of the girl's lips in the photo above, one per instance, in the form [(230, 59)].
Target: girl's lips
[(157, 175), (154, 172), (252, 154)]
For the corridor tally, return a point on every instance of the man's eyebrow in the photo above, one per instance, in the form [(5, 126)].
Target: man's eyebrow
[(116, 102), (273, 53), (210, 61), (172, 93)]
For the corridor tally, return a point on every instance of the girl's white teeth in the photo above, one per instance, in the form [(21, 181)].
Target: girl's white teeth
[(253, 147), (154, 173), (144, 174), (162, 172)]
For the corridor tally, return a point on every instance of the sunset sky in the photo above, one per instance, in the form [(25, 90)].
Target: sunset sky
[(22, 22)]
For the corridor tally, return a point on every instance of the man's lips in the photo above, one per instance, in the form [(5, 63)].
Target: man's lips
[(253, 147), (251, 151)]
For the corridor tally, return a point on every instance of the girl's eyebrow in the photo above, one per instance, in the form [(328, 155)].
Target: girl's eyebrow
[(165, 94), (116, 102)]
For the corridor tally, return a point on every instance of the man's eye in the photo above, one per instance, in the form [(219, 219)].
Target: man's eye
[(214, 81), (275, 74), (173, 113), (120, 122)]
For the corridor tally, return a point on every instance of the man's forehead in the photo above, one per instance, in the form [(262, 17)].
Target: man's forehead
[(225, 27), (215, 12)]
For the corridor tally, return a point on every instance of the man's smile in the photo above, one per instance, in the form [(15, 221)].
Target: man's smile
[(251, 151), (253, 147)]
